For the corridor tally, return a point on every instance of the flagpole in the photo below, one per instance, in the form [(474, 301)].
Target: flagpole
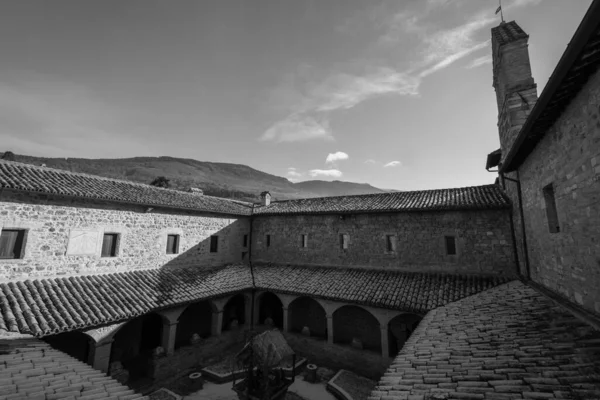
[(501, 12)]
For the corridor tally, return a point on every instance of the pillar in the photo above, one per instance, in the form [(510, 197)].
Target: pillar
[(99, 357), (285, 320), (217, 323), (329, 328), (168, 336), (385, 348)]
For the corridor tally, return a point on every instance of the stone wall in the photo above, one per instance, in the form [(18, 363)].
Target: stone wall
[(52, 222), (483, 241), (335, 356), (568, 157)]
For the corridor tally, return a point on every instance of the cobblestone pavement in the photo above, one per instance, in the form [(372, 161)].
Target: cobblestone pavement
[(509, 342)]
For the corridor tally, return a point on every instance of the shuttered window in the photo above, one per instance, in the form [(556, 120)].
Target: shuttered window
[(304, 241), (390, 243), (450, 245), (172, 244), (11, 243), (344, 240), (109, 245), (214, 244)]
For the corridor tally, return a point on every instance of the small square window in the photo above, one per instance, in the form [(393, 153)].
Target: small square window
[(109, 245), (551, 212), (214, 244), (245, 241), (172, 244), (344, 240), (450, 245), (268, 240), (12, 243), (390, 243), (303, 241)]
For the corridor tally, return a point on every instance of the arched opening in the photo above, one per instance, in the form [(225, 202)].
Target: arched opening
[(399, 330), (75, 344), (234, 310), (353, 324), (305, 311), (134, 342), (196, 318), (270, 307)]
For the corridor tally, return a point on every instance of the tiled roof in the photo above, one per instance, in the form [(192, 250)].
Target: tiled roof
[(49, 306), (411, 292), (467, 198), (31, 369), (508, 32), (580, 60), (19, 176), (509, 342)]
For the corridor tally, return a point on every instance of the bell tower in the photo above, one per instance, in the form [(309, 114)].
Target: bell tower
[(516, 91)]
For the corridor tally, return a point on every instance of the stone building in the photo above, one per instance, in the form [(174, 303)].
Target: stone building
[(484, 292)]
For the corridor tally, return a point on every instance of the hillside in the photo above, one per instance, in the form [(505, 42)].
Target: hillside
[(217, 179)]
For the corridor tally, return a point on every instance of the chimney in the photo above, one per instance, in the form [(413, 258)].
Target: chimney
[(265, 198), (516, 91)]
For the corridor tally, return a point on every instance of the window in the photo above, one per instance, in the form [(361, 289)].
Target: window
[(12, 243), (344, 239), (450, 245), (172, 244), (268, 240), (551, 212), (214, 244), (304, 241), (245, 243), (109, 245), (390, 243)]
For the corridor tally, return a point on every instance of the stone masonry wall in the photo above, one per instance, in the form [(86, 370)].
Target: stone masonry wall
[(568, 261), (483, 241), (143, 236)]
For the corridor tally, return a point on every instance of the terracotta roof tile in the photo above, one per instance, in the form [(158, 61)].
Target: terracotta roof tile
[(19, 176), (513, 342), (413, 292), (29, 366), (467, 198), (49, 306)]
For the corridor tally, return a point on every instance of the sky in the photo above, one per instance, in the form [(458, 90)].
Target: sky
[(395, 93)]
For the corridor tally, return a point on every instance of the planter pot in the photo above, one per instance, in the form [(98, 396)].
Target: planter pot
[(311, 373)]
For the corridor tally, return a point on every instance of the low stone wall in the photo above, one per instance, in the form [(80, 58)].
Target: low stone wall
[(334, 356), (201, 355)]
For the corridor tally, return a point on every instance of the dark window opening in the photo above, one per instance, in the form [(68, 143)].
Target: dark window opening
[(245, 244), (268, 240), (304, 240), (214, 244), (172, 244), (450, 245), (390, 243), (109, 245), (551, 212), (11, 243)]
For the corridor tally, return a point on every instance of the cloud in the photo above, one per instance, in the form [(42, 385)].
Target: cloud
[(453, 58), (369, 161), (293, 173), (333, 158), (393, 164), (296, 128), (331, 173), (478, 62)]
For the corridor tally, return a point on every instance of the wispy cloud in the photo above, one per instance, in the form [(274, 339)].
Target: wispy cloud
[(296, 128), (330, 173), (393, 164), (293, 175), (478, 62), (369, 161), (453, 58), (333, 158)]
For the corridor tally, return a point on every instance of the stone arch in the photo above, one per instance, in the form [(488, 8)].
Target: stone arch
[(195, 318), (306, 311), (351, 321), (134, 343), (75, 343), (234, 310), (399, 330), (270, 306)]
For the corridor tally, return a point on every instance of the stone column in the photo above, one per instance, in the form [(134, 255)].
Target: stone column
[(329, 328), (385, 348), (99, 357), (217, 323), (168, 336), (285, 320)]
